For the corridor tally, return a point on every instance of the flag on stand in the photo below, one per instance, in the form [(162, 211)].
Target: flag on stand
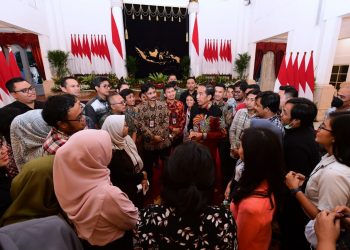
[(5, 75), (15, 72), (282, 79), (195, 39), (115, 36), (302, 77), (296, 73), (290, 71), (310, 79), (229, 52), (107, 51)]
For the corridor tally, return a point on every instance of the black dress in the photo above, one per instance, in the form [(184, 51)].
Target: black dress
[(123, 175), (5, 185)]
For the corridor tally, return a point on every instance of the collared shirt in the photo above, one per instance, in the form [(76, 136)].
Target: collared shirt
[(228, 112), (208, 121), (95, 109), (276, 121), (240, 122), (176, 115), (54, 141), (329, 184), (131, 116), (154, 121)]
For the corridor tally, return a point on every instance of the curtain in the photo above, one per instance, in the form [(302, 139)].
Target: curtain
[(278, 49), (25, 40), (267, 77)]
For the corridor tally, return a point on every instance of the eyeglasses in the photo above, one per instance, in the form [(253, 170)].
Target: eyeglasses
[(323, 126), (26, 90), (79, 118), (122, 103), (106, 86)]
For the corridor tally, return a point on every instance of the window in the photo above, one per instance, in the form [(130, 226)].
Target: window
[(339, 73)]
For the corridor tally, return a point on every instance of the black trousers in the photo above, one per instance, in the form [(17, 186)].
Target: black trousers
[(227, 162), (151, 158)]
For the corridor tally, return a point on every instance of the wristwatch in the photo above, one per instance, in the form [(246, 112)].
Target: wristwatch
[(294, 191)]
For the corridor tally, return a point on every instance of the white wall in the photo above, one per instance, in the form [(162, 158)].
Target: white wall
[(311, 25)]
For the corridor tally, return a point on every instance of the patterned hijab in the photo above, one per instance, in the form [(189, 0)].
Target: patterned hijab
[(114, 125), (28, 133)]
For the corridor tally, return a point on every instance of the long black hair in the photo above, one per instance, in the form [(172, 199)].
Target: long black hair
[(339, 122), (188, 179), (263, 161)]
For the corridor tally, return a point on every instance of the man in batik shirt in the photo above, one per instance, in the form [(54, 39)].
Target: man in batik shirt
[(176, 115), (206, 124), (154, 126)]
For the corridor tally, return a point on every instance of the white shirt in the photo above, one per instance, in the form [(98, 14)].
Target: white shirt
[(329, 184)]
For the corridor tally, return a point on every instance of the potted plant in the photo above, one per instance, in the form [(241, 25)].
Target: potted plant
[(185, 66), (131, 66), (158, 79), (58, 60), (241, 65)]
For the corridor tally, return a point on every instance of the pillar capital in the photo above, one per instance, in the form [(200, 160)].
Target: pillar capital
[(117, 3), (193, 7)]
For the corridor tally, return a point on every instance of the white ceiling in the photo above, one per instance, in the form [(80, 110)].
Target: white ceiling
[(8, 28), (343, 34)]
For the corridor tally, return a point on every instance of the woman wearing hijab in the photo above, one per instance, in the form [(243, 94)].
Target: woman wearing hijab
[(28, 133), (32, 193), (100, 212), (126, 164)]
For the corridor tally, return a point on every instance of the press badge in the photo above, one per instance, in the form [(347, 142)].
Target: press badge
[(173, 119), (151, 123)]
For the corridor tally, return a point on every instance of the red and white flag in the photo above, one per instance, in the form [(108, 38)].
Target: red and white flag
[(195, 39), (296, 72), (194, 48), (282, 79), (15, 72), (290, 71), (115, 36), (310, 79), (107, 51), (302, 77), (5, 75)]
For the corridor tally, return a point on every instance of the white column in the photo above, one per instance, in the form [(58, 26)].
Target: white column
[(118, 63), (195, 60), (56, 26), (326, 52), (327, 49)]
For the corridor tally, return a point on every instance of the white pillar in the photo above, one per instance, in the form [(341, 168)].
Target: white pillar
[(118, 63), (195, 60), (56, 26), (326, 52), (327, 49)]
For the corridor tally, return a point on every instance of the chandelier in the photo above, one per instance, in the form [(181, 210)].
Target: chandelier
[(157, 12)]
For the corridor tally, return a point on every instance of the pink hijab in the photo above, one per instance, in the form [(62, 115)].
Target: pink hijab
[(100, 211)]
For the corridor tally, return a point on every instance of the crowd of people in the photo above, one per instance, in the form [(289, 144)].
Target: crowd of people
[(214, 166)]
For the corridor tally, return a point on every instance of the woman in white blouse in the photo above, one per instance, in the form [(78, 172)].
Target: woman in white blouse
[(329, 183)]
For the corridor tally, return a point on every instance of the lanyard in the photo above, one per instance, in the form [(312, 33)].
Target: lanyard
[(318, 169)]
